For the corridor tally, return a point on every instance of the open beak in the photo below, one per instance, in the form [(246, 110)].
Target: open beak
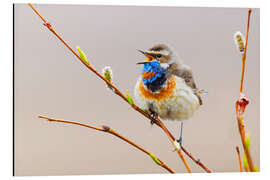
[(148, 55)]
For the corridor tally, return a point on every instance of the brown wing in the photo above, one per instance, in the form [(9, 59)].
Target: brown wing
[(185, 72)]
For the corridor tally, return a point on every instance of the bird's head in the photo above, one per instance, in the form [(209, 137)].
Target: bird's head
[(159, 52), (158, 62)]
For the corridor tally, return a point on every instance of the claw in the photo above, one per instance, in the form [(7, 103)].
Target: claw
[(153, 117), (180, 140), (153, 120)]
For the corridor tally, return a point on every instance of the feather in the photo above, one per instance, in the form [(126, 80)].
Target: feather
[(185, 72)]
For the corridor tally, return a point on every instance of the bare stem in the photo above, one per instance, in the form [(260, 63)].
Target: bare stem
[(197, 161), (239, 158), (109, 130), (239, 109), (172, 139), (245, 54), (118, 92)]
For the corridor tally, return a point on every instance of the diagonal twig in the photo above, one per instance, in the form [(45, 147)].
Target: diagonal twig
[(109, 130)]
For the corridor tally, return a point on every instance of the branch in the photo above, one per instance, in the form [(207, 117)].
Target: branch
[(172, 139), (242, 102), (239, 158), (109, 130), (197, 161), (245, 53), (118, 92)]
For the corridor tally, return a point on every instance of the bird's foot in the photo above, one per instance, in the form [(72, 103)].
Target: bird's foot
[(154, 116), (180, 141)]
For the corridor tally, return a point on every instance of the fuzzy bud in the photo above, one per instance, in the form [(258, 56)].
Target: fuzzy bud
[(107, 73), (239, 41)]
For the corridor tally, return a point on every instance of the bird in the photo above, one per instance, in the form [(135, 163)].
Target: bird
[(166, 86)]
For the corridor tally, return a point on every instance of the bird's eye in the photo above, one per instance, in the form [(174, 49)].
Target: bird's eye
[(159, 55)]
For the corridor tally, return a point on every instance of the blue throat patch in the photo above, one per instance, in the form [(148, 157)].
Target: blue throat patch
[(153, 67)]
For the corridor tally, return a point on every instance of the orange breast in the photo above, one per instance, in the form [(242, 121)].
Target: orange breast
[(148, 75), (164, 93)]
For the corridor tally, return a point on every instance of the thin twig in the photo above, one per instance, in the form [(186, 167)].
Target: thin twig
[(197, 161), (239, 158), (109, 130), (116, 90), (242, 102), (245, 54), (172, 139)]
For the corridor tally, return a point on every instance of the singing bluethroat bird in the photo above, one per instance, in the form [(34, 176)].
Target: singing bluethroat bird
[(166, 86)]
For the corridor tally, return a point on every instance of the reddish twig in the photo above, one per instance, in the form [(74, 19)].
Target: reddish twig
[(242, 102), (172, 139), (197, 161), (245, 54), (117, 91), (111, 131), (239, 158)]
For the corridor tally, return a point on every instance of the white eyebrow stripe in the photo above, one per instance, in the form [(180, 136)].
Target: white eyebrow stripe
[(164, 52)]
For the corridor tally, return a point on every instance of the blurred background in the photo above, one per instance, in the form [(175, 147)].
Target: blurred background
[(50, 81)]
